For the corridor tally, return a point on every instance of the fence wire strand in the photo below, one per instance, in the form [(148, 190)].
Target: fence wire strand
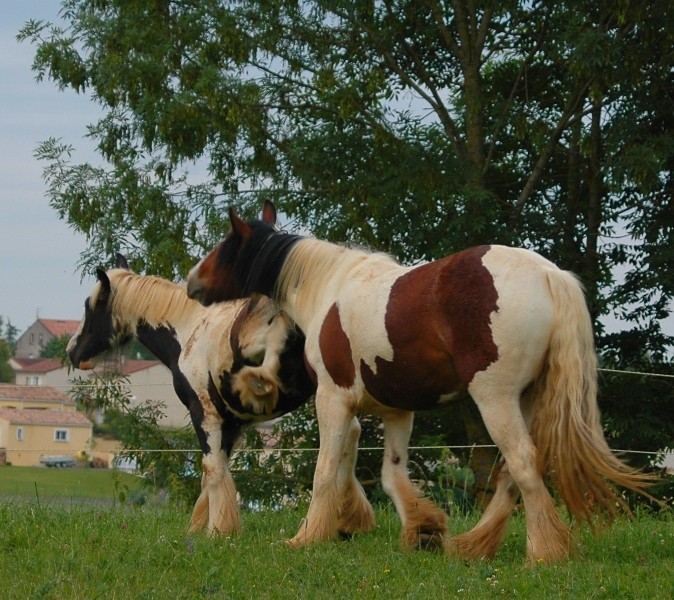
[(85, 384)]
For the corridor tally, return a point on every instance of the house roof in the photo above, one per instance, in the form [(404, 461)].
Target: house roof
[(133, 366), (35, 365), (59, 327), (45, 365), (27, 416), (34, 393)]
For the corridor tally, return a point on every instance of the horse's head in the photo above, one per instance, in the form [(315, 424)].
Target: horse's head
[(96, 333), (225, 273)]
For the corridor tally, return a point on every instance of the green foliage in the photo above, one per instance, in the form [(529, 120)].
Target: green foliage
[(639, 424), (6, 371), (56, 348), (8, 335), (415, 128)]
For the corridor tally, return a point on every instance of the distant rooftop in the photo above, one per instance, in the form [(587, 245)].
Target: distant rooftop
[(38, 365), (32, 393), (59, 327), (27, 416)]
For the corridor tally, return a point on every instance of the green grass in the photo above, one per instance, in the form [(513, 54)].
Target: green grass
[(66, 484), (144, 553)]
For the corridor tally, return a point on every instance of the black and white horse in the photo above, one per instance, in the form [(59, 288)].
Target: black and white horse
[(234, 364)]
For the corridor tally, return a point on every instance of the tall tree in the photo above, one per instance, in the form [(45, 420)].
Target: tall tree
[(6, 372), (7, 345), (415, 127)]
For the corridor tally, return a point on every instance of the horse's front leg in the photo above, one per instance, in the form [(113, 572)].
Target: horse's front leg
[(335, 410), (199, 518), (217, 504), (258, 387), (424, 523), (355, 511)]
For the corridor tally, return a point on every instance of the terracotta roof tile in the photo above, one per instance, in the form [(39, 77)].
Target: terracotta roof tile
[(133, 366), (41, 365), (26, 416), (35, 393), (59, 327)]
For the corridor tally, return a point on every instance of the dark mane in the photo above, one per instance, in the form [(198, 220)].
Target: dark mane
[(259, 263)]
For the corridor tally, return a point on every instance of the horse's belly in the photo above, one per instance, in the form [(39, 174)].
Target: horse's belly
[(412, 386)]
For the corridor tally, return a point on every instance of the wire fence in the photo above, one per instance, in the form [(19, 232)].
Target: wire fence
[(269, 450), (266, 450)]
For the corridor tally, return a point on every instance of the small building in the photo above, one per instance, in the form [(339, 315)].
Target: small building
[(145, 380), (39, 371), (35, 339), (34, 397), (30, 436)]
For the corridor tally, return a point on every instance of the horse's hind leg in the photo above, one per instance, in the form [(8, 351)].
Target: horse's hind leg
[(547, 535), (355, 512), (223, 512), (258, 386), (484, 539), (424, 524)]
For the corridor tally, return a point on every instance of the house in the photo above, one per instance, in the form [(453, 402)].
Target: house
[(38, 422), (34, 397), (40, 371), (145, 380), (35, 339), (28, 436)]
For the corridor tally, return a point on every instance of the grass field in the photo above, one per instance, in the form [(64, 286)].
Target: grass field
[(65, 484), (111, 552)]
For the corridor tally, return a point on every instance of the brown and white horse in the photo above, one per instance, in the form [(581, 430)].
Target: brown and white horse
[(233, 364), (503, 323)]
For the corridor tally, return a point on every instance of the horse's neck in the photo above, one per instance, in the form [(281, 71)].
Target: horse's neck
[(162, 327), (317, 271)]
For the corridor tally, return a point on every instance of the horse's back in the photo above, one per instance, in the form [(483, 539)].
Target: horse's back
[(419, 336)]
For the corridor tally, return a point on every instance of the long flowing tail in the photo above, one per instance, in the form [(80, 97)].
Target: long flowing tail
[(566, 426)]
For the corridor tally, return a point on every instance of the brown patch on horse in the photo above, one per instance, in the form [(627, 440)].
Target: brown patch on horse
[(433, 310), (336, 350)]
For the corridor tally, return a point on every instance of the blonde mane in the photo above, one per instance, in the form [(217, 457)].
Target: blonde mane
[(314, 267), (155, 300)]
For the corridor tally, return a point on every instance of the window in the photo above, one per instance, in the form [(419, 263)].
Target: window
[(19, 433), (61, 435), (32, 339)]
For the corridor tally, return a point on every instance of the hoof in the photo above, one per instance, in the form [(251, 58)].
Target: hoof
[(260, 387)]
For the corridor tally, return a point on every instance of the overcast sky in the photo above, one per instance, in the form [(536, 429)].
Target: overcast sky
[(38, 252)]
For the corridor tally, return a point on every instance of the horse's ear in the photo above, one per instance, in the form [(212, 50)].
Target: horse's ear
[(238, 225), (121, 262), (105, 284), (269, 212)]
